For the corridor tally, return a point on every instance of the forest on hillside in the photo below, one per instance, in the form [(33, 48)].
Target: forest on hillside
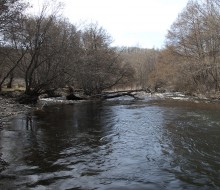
[(48, 53)]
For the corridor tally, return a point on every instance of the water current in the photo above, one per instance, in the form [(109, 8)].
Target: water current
[(118, 144)]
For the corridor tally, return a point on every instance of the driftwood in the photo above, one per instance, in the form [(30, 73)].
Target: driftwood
[(107, 95), (110, 95)]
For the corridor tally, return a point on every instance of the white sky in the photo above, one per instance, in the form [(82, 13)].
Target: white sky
[(129, 22)]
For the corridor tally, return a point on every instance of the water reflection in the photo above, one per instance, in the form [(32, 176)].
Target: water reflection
[(57, 139), (107, 145)]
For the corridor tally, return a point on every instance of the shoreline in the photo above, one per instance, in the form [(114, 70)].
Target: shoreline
[(9, 107)]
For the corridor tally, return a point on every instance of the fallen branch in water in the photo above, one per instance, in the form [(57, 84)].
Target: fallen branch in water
[(117, 94), (106, 95)]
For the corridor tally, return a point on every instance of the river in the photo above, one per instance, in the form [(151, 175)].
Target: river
[(118, 144)]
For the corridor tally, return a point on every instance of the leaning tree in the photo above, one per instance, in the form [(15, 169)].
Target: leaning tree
[(11, 13)]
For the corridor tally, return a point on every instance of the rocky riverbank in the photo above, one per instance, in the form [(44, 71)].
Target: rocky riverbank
[(10, 108)]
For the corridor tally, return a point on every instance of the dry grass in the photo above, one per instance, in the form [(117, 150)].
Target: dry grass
[(18, 85), (20, 89)]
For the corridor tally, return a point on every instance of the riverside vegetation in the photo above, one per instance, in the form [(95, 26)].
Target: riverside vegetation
[(48, 53), (156, 143)]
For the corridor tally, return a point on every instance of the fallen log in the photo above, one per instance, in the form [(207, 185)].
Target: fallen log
[(111, 96), (107, 95), (117, 94), (128, 91)]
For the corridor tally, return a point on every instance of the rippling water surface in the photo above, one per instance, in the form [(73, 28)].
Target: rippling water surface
[(160, 144)]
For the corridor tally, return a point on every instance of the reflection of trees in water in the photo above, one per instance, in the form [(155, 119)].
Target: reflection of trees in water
[(66, 131), (29, 123), (3, 163)]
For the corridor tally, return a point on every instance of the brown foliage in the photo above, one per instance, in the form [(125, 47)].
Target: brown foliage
[(194, 39)]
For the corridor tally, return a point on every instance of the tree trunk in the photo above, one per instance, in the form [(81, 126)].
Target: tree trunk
[(9, 85)]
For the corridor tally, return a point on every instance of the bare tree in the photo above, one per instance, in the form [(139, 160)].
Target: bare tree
[(100, 67), (10, 16), (10, 11), (195, 37), (143, 61), (48, 43)]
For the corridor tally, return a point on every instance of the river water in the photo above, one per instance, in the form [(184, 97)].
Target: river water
[(119, 144)]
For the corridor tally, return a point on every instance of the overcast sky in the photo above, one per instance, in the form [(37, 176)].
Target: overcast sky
[(129, 22)]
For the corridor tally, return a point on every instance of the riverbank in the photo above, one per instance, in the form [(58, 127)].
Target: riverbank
[(9, 108)]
